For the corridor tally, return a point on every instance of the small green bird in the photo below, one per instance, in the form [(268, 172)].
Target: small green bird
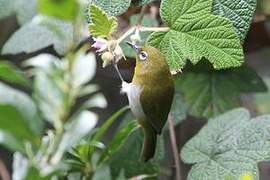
[(150, 95)]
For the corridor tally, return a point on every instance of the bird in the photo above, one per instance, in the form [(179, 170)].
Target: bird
[(150, 95)]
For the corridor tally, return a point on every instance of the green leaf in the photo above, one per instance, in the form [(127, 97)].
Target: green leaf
[(10, 141), (75, 130), (239, 12), (195, 33), (41, 32), (102, 25), (119, 139), (208, 92), (10, 73), (132, 166), (62, 9), (14, 124), (147, 21), (229, 146), (141, 2), (262, 100), (24, 105), (178, 110), (107, 124), (112, 8)]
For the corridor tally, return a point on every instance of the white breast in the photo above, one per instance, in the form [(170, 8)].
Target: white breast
[(133, 92)]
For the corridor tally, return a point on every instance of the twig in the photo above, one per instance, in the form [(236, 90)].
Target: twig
[(4, 174), (139, 21), (117, 70), (174, 147)]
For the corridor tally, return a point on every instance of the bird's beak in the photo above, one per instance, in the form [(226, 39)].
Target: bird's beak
[(134, 47)]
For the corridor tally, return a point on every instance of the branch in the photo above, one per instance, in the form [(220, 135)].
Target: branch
[(174, 147), (4, 174)]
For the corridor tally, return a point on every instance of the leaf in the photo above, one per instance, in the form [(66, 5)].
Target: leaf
[(107, 124), (6, 8), (25, 10), (62, 9), (41, 32), (83, 69), (24, 105), (262, 100), (195, 33), (239, 12), (119, 139), (11, 142), (102, 26), (228, 146), (132, 166), (49, 97), (112, 8), (74, 132), (147, 21), (178, 110), (97, 100), (13, 123), (208, 92), (10, 73), (141, 2)]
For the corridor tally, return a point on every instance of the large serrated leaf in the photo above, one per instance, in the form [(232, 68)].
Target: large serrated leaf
[(208, 92), (102, 25), (112, 8), (239, 12), (228, 147), (196, 33), (141, 2)]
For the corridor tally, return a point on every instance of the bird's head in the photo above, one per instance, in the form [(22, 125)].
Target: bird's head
[(148, 59)]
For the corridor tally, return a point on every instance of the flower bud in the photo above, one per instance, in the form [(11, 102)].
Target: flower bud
[(107, 58)]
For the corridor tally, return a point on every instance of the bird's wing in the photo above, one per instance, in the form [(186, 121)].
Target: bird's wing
[(156, 103)]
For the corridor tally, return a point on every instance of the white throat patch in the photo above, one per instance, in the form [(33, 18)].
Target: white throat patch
[(133, 93)]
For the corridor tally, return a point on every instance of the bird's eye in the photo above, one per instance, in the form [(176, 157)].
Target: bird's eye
[(143, 55)]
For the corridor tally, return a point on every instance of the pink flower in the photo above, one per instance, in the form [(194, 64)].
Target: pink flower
[(100, 44)]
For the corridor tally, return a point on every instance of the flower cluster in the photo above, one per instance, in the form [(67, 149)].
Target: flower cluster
[(110, 50)]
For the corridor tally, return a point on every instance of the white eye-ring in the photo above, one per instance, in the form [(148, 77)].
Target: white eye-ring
[(143, 56)]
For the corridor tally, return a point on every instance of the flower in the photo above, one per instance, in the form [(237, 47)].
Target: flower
[(100, 44)]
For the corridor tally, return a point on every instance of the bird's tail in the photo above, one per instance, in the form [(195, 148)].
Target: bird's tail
[(149, 144)]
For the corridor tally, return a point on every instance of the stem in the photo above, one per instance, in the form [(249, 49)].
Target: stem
[(154, 29), (126, 34), (141, 15), (174, 147)]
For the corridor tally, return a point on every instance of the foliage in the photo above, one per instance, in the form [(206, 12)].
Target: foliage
[(48, 101), (24, 10), (229, 146), (41, 32), (216, 92), (102, 25), (196, 33), (63, 9), (237, 13)]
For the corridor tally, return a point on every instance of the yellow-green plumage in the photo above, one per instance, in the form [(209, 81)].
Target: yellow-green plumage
[(156, 95)]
